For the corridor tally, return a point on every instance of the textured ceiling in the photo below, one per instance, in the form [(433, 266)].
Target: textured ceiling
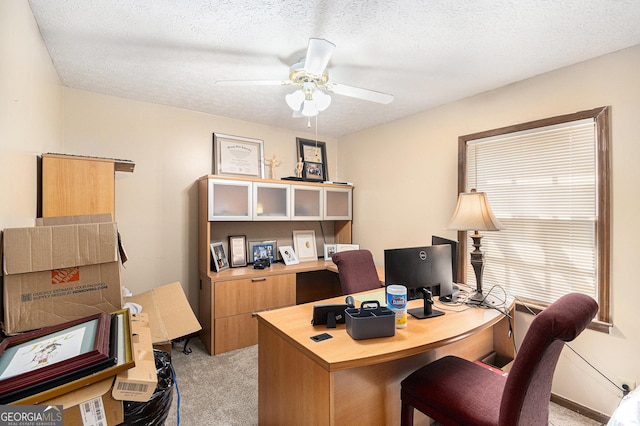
[(426, 53)]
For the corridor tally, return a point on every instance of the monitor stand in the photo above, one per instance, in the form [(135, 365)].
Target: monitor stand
[(427, 310)]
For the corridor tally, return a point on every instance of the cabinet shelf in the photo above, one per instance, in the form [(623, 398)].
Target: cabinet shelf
[(258, 208)]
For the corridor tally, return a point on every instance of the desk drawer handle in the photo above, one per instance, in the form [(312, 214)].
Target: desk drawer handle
[(259, 279)]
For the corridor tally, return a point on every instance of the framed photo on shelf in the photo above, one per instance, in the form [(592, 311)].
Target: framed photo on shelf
[(49, 355), (329, 251), (313, 171), (237, 251), (288, 255), (238, 156), (220, 261), (304, 244), (311, 151), (263, 249), (347, 247)]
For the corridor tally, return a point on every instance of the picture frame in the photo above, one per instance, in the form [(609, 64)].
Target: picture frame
[(288, 255), (121, 348), (262, 249), (238, 156), (347, 247), (218, 257), (38, 360), (313, 151), (313, 171), (237, 251), (329, 251), (304, 244)]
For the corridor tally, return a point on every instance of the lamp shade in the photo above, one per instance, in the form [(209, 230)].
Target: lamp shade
[(473, 213)]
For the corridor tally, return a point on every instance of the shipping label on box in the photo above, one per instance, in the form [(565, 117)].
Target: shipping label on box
[(91, 405), (54, 274), (138, 383)]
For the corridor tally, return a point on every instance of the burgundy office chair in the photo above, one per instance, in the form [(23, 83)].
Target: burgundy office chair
[(356, 270), (454, 391)]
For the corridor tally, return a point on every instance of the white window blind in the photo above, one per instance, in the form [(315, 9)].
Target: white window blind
[(542, 186)]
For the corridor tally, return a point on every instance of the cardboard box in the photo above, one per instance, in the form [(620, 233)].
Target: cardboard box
[(138, 383), (54, 274), (90, 405), (170, 315)]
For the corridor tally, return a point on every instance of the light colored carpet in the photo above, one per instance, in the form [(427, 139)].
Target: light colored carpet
[(222, 390)]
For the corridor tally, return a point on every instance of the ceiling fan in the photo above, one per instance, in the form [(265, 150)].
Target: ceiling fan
[(312, 78)]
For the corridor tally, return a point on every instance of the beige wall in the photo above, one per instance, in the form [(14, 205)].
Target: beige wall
[(404, 172), (156, 205), (30, 112), (411, 165)]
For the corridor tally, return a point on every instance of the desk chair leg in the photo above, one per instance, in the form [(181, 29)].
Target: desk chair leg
[(406, 415)]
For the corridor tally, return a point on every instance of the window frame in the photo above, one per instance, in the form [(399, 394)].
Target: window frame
[(603, 177)]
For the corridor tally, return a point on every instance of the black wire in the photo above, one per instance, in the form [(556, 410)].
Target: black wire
[(592, 366)]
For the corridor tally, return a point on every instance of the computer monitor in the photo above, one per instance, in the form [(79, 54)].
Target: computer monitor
[(416, 268), (435, 240)]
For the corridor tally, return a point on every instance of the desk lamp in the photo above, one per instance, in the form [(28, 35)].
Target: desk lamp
[(473, 213)]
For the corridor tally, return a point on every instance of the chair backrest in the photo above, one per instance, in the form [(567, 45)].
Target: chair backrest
[(356, 270), (527, 391)]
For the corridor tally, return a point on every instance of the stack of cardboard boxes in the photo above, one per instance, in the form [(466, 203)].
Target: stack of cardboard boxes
[(68, 268)]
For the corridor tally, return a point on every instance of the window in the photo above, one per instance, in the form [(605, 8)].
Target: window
[(548, 183)]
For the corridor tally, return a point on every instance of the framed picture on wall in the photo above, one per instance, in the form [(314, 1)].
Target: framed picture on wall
[(238, 251), (312, 151), (238, 156)]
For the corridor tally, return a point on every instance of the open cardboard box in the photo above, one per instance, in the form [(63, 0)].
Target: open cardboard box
[(138, 383), (166, 315), (170, 315)]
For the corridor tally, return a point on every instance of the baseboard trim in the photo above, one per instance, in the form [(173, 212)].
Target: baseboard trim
[(580, 409)]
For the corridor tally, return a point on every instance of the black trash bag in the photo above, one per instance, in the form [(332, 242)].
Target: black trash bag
[(156, 410)]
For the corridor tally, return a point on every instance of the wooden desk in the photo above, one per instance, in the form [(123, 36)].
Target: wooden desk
[(344, 381), (228, 299)]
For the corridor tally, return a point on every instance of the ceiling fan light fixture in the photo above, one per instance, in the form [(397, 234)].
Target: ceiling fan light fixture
[(321, 99), (309, 108), (295, 99)]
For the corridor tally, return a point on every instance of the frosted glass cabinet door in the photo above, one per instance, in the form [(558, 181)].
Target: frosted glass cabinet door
[(306, 202), (271, 201), (229, 200), (337, 203)]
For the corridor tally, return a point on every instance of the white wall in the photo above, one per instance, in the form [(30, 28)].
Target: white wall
[(411, 165), (30, 112), (156, 205)]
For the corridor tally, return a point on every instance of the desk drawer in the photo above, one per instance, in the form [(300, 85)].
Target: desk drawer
[(253, 295), (235, 332)]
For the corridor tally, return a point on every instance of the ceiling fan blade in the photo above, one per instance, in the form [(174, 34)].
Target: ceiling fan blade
[(318, 54), (360, 93), (252, 82)]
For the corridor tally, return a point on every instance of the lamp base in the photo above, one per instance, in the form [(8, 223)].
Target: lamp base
[(479, 299)]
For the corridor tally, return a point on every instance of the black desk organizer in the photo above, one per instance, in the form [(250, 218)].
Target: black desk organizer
[(370, 320)]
